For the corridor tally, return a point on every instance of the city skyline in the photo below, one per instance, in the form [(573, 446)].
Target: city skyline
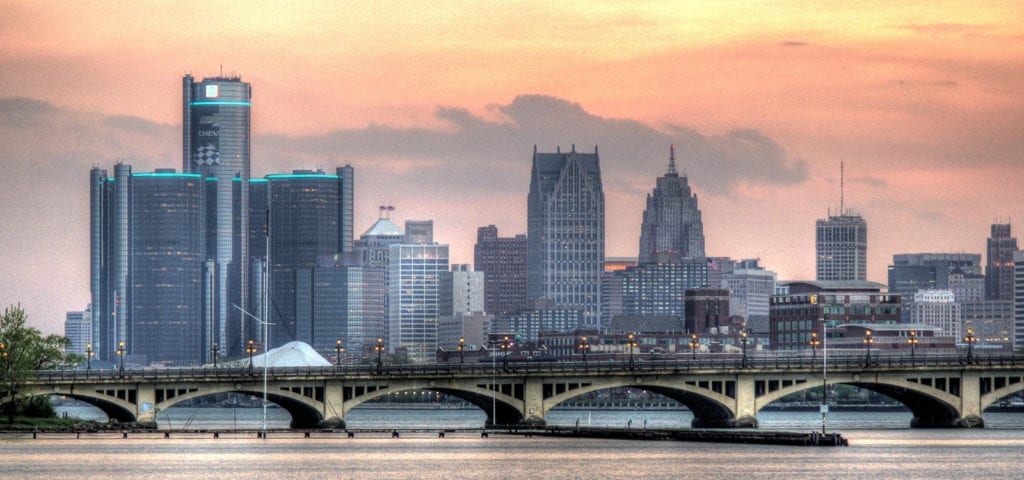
[(922, 104)]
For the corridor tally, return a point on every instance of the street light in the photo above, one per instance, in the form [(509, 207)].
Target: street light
[(824, 372), (250, 349), (462, 353), (744, 339), (814, 346), (88, 356), (215, 350), (120, 354), (266, 350), (505, 346), (584, 346), (631, 344), (379, 348), (338, 348), (868, 341), (913, 341), (970, 339), (693, 346)]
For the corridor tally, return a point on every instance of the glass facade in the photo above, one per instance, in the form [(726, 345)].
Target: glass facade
[(566, 231), (414, 276)]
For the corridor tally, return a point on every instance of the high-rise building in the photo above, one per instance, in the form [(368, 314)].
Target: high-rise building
[(216, 137), (911, 272), (148, 251), (992, 321), (937, 308), (750, 289), (1018, 300), (999, 266), (672, 229), (414, 275), (306, 222), (340, 299), (966, 287), (462, 291), (842, 248), (78, 329), (374, 244), (566, 231), (503, 263), (660, 288)]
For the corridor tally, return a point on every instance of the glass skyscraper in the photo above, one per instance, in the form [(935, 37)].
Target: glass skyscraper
[(147, 244), (216, 138), (566, 232)]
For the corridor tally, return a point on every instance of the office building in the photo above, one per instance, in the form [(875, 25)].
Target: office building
[(462, 291), (671, 230), (502, 260), (992, 321), (216, 137), (543, 316), (660, 288), (911, 272), (148, 256), (306, 223), (78, 329), (1018, 300), (414, 280), (750, 288), (999, 266), (801, 308), (842, 248), (937, 308), (566, 231), (340, 299)]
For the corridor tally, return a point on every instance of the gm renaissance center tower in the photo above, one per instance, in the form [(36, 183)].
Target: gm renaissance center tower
[(215, 139)]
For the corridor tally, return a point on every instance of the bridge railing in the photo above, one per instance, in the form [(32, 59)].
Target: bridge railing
[(519, 368)]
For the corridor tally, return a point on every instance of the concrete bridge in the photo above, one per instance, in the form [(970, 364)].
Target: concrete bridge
[(941, 392)]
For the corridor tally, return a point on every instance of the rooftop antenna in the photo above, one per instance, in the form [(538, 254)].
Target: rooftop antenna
[(672, 160), (842, 188)]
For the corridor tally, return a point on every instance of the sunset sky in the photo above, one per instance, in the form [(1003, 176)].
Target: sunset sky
[(438, 106)]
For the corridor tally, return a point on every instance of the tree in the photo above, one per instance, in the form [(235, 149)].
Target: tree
[(24, 349)]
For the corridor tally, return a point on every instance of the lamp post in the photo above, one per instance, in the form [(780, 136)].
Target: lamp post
[(584, 346), (505, 346), (970, 339), (912, 340), (379, 348), (338, 348), (824, 372), (631, 344), (694, 343), (814, 346), (88, 356), (266, 350), (868, 341), (215, 350), (250, 349), (744, 339), (462, 352), (120, 354)]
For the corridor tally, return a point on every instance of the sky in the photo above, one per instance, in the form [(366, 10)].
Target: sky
[(438, 107)]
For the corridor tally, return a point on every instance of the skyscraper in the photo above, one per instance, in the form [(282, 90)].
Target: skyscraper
[(1018, 300), (306, 223), (503, 262), (216, 139), (148, 255), (414, 298), (672, 229), (78, 329), (999, 267), (566, 232), (842, 248)]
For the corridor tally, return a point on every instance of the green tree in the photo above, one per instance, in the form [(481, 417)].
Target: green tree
[(24, 349)]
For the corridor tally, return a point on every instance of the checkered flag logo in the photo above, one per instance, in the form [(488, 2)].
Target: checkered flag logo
[(206, 155)]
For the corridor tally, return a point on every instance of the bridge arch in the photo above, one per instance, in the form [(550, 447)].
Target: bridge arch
[(931, 406), (305, 413), (710, 409), (492, 402), (117, 409), (996, 388)]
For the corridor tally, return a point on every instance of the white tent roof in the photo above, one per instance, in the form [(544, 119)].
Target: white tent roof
[(291, 354)]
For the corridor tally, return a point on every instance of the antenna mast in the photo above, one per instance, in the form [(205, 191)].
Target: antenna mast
[(842, 188)]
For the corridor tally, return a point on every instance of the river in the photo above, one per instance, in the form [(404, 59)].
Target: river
[(881, 446)]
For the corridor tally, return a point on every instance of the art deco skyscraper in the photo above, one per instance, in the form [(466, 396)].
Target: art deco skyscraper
[(999, 267), (565, 231), (216, 139), (672, 229)]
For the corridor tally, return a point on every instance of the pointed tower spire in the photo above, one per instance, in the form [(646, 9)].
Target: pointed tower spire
[(672, 160)]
